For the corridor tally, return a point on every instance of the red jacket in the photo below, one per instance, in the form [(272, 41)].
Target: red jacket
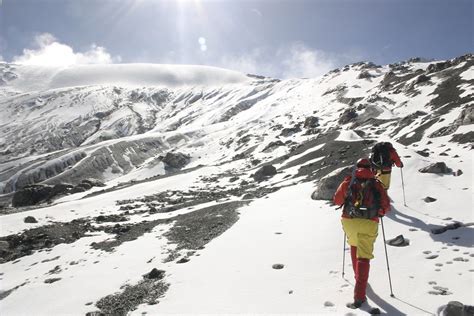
[(362, 173), (394, 159)]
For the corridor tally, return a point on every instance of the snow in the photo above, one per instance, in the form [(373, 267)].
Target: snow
[(233, 274), (348, 136)]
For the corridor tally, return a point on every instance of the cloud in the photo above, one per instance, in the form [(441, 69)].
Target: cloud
[(1, 58), (49, 51), (290, 61), (301, 61)]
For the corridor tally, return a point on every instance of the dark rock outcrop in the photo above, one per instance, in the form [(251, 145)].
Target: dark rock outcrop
[(176, 160), (155, 274), (347, 116), (311, 122), (437, 168), (327, 186), (264, 172), (31, 195)]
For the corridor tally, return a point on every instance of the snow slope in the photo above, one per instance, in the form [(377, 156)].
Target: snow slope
[(213, 229)]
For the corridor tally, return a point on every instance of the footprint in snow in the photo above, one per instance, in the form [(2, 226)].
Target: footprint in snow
[(426, 252), (328, 304), (431, 257)]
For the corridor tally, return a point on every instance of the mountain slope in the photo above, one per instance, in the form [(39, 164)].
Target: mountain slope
[(211, 225)]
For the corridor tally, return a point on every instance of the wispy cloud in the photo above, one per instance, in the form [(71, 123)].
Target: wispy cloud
[(290, 61), (49, 51)]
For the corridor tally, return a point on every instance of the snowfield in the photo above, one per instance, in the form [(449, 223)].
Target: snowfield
[(223, 240)]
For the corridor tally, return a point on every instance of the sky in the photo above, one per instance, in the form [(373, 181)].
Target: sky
[(278, 38)]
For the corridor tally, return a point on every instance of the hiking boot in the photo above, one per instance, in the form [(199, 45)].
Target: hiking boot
[(356, 304)]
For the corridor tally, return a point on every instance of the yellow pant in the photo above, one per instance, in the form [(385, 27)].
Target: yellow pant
[(384, 178), (361, 233)]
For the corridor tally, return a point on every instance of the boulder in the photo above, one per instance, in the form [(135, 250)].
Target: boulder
[(85, 185), (61, 188), (31, 195), (455, 308), (30, 220), (347, 116), (398, 241), (155, 274), (311, 122), (429, 199), (264, 172), (437, 168), (328, 185), (176, 160), (286, 132), (421, 79)]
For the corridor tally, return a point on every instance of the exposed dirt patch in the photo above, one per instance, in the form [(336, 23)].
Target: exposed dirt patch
[(147, 291), (48, 236)]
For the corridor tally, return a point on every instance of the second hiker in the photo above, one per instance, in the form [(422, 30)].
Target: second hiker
[(383, 157)]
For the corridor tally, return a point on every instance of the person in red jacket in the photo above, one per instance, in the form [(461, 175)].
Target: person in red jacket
[(364, 200), (383, 157)]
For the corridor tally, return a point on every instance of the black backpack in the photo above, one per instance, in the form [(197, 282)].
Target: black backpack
[(363, 199), (380, 155)]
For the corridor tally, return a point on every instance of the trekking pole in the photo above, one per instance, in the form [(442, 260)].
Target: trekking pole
[(403, 187), (343, 255), (386, 257)]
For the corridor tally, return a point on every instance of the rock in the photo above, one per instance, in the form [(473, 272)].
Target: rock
[(440, 230), (458, 173), (155, 274), (77, 189), (328, 185), (95, 313), (264, 172), (248, 196), (52, 280), (429, 199), (286, 132), (183, 260), (233, 179), (364, 75), (31, 195), (93, 182), (278, 266), (454, 308), (60, 188), (347, 116), (30, 220), (4, 245), (423, 153), (437, 168), (85, 185), (398, 241), (421, 79), (273, 145), (176, 160), (311, 122)]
